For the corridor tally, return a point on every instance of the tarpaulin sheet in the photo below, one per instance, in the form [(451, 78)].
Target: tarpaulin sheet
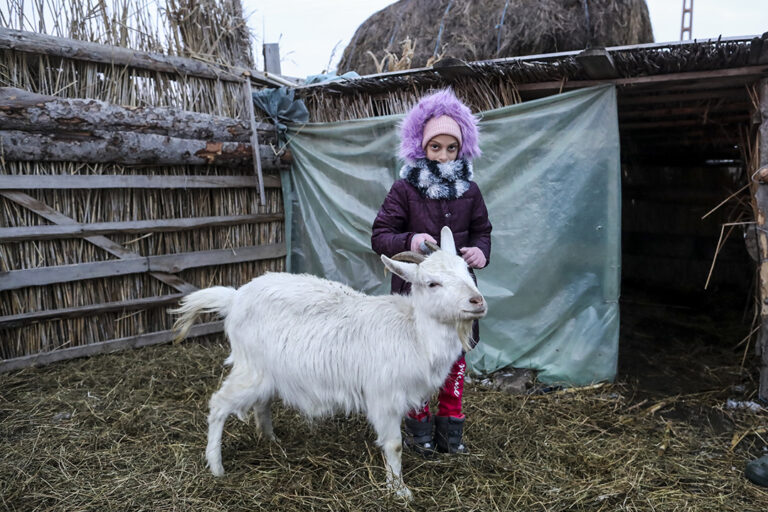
[(550, 178)]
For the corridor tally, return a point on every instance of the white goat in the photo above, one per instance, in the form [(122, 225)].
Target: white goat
[(323, 347)]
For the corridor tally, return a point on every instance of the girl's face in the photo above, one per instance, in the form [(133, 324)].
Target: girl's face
[(442, 148)]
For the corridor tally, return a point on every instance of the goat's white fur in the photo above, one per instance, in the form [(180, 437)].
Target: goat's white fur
[(323, 347)]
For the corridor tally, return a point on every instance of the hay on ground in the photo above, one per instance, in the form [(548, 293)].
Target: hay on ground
[(128, 432)]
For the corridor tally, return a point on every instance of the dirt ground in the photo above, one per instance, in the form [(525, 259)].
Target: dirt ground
[(127, 432)]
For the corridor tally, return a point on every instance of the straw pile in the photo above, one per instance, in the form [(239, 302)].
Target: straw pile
[(208, 30), (473, 31), (128, 432)]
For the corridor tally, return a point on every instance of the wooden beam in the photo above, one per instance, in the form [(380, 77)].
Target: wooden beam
[(630, 98), (248, 99), (54, 232), (131, 148), (685, 111), (168, 263), (27, 111), (754, 72), (91, 309), (713, 122), (42, 44), (761, 201), (271, 53), (106, 347), (597, 63), (123, 181)]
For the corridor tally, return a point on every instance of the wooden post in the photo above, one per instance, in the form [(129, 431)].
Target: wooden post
[(248, 98), (272, 58), (761, 198)]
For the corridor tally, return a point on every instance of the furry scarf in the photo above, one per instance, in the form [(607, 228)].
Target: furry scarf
[(434, 180)]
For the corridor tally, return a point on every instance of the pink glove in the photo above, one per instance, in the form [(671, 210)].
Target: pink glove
[(473, 256), (417, 239)]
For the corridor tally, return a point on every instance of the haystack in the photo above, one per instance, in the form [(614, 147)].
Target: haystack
[(471, 30)]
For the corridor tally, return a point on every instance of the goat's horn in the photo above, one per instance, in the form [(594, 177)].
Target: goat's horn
[(409, 256), (431, 245)]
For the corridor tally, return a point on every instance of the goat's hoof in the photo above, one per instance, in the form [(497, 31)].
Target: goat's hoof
[(404, 493), (216, 469), (401, 491)]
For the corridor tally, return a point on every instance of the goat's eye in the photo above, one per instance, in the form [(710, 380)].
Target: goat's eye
[(433, 284)]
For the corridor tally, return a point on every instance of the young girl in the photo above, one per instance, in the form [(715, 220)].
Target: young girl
[(439, 139)]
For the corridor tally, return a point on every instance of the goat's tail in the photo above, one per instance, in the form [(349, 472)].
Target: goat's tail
[(217, 299)]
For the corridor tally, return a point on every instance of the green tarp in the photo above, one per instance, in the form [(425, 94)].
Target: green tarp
[(550, 177)]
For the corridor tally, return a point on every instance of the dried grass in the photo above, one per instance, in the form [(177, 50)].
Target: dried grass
[(472, 31), (127, 432)]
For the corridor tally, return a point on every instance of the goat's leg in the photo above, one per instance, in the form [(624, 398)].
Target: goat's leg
[(239, 392), (263, 415), (389, 438)]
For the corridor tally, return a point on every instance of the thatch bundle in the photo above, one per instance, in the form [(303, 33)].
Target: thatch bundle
[(471, 30)]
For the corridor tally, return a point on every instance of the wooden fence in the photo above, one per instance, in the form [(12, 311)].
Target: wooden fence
[(110, 213)]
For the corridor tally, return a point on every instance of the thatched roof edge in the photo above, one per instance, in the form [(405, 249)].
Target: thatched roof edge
[(630, 61)]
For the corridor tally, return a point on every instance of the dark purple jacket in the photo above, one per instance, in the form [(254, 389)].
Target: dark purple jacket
[(405, 213)]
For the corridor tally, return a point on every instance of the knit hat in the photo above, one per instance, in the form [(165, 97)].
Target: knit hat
[(443, 125), (436, 105)]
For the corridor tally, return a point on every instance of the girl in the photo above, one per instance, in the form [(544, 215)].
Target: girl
[(439, 139)]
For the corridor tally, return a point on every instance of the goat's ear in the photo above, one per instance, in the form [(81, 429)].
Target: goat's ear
[(402, 269), (446, 240)]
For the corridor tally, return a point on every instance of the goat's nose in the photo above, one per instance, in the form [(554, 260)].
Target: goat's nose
[(477, 299)]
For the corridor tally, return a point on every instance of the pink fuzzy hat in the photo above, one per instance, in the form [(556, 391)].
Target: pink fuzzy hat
[(436, 105), (443, 125)]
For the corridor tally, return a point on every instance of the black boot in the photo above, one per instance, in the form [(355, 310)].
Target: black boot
[(448, 433), (418, 436)]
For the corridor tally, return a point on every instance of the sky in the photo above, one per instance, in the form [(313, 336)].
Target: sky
[(309, 30)]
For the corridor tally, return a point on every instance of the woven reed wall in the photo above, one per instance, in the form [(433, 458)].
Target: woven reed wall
[(213, 31)]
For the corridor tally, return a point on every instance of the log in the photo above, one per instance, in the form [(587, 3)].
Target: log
[(761, 200), (43, 44), (123, 181), (106, 347), (130, 148), (56, 232), (27, 111)]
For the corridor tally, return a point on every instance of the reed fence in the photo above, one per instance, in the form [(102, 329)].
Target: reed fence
[(128, 174)]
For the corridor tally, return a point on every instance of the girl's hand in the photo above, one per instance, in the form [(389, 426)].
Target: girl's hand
[(417, 240), (473, 256)]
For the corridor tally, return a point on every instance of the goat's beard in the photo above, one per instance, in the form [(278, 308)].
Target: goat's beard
[(464, 330)]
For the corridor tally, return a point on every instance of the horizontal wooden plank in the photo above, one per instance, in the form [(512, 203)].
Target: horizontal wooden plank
[(69, 182), (36, 43), (91, 309), (177, 262), (105, 347), (15, 279), (52, 232), (170, 263), (746, 72)]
